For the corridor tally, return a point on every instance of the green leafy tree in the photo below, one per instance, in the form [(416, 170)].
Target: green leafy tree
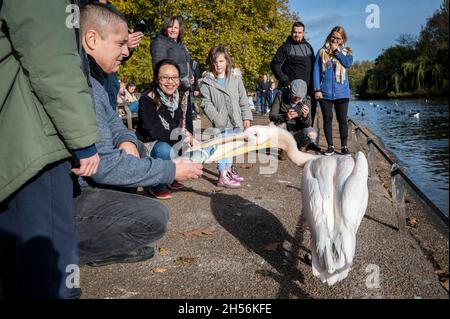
[(356, 74), (413, 67)]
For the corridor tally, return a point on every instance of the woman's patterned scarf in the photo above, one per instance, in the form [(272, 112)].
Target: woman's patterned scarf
[(172, 106), (328, 59)]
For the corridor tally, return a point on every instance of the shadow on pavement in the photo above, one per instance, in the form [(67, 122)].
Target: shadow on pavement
[(261, 232)]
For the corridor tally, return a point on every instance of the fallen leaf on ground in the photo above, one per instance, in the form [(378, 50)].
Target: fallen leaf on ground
[(440, 272), (302, 226), (411, 222), (272, 247), (445, 284), (217, 190), (263, 272), (208, 231), (158, 270), (162, 251), (185, 260), (246, 166), (199, 232)]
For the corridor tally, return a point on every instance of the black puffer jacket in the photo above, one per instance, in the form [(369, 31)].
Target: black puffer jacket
[(293, 61), (162, 47)]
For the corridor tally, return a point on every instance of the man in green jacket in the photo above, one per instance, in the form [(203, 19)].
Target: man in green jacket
[(46, 117)]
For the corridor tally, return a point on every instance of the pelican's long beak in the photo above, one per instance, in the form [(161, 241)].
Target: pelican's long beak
[(235, 148), (225, 147), (219, 140)]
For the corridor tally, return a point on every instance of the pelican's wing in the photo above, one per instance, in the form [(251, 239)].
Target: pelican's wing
[(350, 206), (318, 204), (334, 201), (355, 194)]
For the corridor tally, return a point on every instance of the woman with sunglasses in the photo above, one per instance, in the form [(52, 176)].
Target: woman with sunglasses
[(331, 85), (161, 120)]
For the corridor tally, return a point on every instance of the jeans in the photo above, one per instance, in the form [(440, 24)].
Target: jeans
[(259, 102), (262, 103), (134, 107), (38, 238), (163, 151), (226, 163), (111, 223), (341, 108)]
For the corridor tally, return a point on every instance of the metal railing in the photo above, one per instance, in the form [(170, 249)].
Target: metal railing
[(398, 178)]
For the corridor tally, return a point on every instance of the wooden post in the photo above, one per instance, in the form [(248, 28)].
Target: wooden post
[(371, 158), (350, 131), (398, 197)]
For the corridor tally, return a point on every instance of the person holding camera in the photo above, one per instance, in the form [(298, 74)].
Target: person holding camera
[(292, 111)]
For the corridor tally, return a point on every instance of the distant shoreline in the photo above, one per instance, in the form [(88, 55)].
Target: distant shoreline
[(400, 96)]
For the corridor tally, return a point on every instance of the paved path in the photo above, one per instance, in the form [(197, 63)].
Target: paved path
[(251, 243)]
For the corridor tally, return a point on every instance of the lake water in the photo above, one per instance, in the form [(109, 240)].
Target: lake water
[(419, 143)]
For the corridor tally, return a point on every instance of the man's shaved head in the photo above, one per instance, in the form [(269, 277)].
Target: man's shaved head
[(100, 18), (104, 36)]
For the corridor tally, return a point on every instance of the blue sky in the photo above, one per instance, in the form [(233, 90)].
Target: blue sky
[(396, 17)]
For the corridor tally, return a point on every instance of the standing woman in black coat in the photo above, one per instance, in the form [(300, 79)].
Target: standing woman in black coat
[(168, 45)]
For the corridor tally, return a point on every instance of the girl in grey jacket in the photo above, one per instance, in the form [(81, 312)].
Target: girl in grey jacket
[(224, 102)]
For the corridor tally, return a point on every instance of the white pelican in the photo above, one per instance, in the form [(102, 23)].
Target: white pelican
[(415, 114), (334, 194), (335, 197)]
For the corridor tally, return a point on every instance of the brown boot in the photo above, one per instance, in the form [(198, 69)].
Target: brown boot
[(282, 155)]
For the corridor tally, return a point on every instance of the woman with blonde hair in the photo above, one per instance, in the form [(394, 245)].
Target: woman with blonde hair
[(331, 85), (225, 104)]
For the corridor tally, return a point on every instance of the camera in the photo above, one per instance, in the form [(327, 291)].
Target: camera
[(142, 26)]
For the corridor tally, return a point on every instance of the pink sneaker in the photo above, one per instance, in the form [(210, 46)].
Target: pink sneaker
[(227, 181), (235, 175)]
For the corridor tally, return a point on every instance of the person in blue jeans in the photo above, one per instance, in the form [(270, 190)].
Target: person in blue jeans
[(331, 85), (262, 90), (161, 120)]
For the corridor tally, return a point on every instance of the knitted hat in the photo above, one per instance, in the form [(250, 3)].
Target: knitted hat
[(298, 88)]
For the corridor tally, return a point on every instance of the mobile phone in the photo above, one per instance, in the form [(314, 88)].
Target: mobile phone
[(298, 107)]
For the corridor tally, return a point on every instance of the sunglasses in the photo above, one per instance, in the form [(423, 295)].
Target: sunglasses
[(334, 38)]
